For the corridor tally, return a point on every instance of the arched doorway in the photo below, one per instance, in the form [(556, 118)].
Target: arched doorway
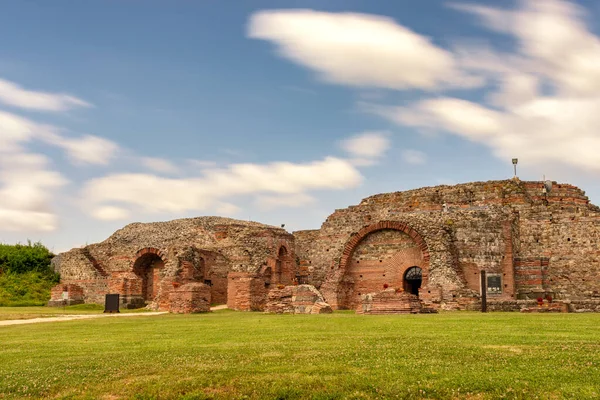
[(281, 266), (375, 258), (148, 267), (413, 278)]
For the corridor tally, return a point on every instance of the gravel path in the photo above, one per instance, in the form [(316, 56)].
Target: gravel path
[(74, 317), (87, 316)]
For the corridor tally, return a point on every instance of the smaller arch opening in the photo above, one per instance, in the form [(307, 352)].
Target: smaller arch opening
[(268, 275), (148, 267), (413, 278), (281, 266)]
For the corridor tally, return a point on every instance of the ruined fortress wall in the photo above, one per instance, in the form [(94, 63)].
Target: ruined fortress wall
[(306, 243), (203, 250), (536, 241), (560, 252)]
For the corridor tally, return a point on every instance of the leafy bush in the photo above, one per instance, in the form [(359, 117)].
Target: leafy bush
[(26, 276), (21, 258)]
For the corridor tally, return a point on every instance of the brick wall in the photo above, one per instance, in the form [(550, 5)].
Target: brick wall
[(190, 298), (456, 231), (472, 227), (246, 292), (143, 261)]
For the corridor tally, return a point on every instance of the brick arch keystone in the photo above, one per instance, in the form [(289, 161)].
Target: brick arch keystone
[(396, 225), (151, 250)]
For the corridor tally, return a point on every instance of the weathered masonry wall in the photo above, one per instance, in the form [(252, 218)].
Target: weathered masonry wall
[(307, 246), (431, 242), (380, 258), (146, 263), (534, 243)]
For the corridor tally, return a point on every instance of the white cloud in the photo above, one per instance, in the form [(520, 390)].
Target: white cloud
[(157, 194), (13, 131), (110, 213), (159, 165), (358, 49), (555, 51), (87, 149), (366, 147), (552, 35), (414, 157), (27, 184), (26, 189), (14, 95)]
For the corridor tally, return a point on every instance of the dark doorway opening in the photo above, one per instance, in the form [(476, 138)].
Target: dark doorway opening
[(148, 267), (413, 277)]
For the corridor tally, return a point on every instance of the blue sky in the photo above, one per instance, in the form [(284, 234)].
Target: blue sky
[(113, 112)]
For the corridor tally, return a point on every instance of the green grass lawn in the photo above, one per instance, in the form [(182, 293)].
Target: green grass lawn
[(229, 354)]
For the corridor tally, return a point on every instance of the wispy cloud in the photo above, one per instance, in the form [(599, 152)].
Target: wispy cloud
[(27, 184), (14, 95), (366, 148), (542, 99), (28, 181), (359, 49), (152, 193)]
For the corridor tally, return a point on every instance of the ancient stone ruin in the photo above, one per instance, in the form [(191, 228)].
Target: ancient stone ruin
[(414, 251)]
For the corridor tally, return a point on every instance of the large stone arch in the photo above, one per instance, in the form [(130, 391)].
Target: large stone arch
[(395, 225), (387, 249), (148, 266)]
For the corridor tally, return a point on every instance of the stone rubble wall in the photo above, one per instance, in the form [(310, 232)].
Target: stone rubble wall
[(538, 243), (306, 250), (301, 299), (497, 226), (201, 250)]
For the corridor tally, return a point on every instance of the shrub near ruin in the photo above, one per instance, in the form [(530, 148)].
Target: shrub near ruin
[(25, 274)]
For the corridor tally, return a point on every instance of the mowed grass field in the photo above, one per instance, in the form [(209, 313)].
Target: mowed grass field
[(228, 354)]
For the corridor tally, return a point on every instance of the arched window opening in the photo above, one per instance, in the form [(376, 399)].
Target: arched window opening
[(279, 264), (268, 275), (413, 277)]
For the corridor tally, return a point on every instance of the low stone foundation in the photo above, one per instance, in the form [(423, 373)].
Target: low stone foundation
[(73, 292), (391, 302), (190, 298), (302, 299), (532, 306), (583, 305), (547, 308)]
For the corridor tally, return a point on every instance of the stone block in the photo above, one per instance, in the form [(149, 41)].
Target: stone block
[(190, 298)]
